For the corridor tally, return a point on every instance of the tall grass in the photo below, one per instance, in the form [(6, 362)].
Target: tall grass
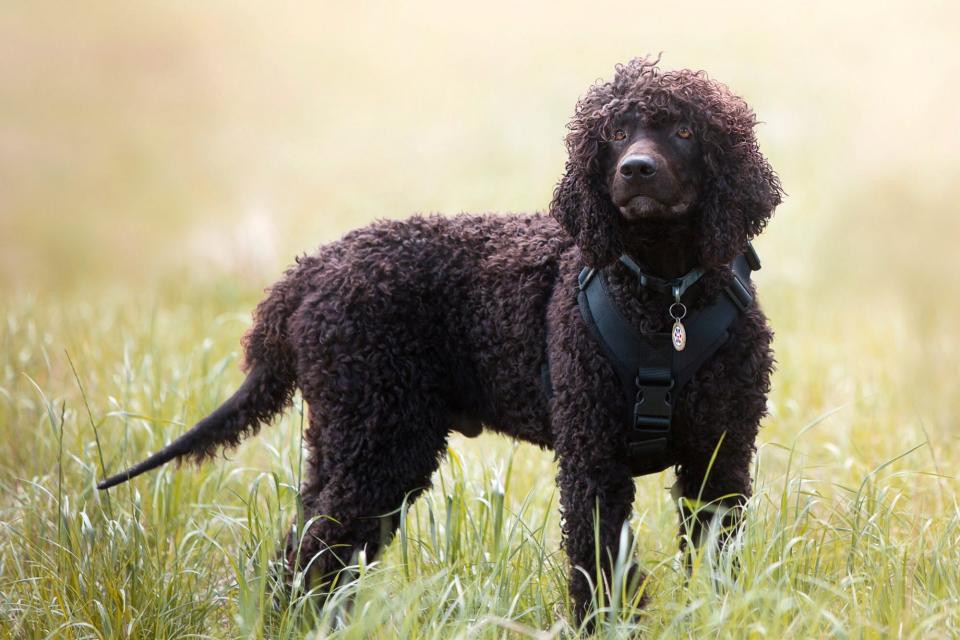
[(852, 531)]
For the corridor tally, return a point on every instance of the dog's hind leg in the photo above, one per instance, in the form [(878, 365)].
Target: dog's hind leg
[(362, 471)]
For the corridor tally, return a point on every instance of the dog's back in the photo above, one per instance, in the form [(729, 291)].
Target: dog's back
[(451, 309)]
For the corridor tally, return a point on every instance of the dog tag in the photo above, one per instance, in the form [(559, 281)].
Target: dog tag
[(678, 335), (678, 311)]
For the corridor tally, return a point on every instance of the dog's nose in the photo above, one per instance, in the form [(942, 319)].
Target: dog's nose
[(643, 166)]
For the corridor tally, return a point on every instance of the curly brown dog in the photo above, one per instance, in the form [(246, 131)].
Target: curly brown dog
[(406, 330)]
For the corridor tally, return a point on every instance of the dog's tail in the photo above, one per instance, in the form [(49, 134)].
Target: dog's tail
[(267, 390)]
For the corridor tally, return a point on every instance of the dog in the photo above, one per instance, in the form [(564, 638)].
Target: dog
[(404, 331)]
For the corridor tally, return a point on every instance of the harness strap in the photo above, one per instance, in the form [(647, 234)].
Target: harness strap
[(651, 372), (676, 286)]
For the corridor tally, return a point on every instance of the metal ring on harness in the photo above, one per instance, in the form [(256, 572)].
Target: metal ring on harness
[(678, 316)]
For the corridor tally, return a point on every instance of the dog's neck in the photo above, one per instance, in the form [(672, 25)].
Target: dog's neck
[(668, 263), (668, 256), (665, 250)]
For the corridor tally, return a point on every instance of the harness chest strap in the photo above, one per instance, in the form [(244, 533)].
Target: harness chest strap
[(650, 370)]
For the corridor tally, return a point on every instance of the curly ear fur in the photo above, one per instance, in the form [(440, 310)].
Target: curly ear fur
[(740, 189), (740, 194), (582, 207)]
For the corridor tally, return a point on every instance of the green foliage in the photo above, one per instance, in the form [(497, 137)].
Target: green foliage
[(852, 531)]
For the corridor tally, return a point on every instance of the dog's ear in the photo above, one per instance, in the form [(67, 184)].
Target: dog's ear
[(738, 200), (583, 208)]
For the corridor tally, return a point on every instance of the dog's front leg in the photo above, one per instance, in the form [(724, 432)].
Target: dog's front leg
[(710, 497), (715, 440), (596, 494)]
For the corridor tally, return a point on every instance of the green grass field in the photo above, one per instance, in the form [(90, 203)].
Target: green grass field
[(160, 165)]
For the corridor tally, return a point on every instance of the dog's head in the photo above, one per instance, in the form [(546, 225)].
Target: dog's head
[(650, 151)]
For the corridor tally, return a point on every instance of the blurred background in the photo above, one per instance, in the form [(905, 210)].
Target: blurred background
[(162, 154), (143, 140)]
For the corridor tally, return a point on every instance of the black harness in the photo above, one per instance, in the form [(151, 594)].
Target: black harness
[(651, 371)]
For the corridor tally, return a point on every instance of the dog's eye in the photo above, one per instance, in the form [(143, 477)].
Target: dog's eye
[(684, 133), (619, 135)]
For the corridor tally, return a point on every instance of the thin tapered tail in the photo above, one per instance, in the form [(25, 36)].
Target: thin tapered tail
[(268, 388), (261, 396)]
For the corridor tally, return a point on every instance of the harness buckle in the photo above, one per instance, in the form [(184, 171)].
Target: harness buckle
[(652, 409)]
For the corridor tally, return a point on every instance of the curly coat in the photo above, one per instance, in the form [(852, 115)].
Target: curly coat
[(404, 330)]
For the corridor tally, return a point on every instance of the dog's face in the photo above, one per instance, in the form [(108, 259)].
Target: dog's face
[(652, 170), (663, 155)]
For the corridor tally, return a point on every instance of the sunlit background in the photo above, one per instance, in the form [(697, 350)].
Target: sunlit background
[(161, 163)]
